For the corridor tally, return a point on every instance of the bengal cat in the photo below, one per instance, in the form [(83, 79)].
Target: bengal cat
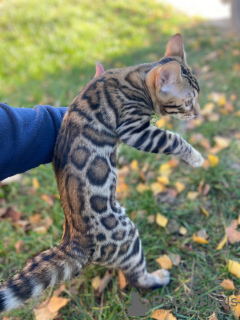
[(114, 107)]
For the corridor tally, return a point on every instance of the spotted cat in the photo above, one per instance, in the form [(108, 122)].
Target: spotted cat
[(114, 107)]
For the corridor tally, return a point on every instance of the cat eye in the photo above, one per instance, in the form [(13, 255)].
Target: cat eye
[(188, 103)]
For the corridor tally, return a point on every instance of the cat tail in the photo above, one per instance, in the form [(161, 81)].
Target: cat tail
[(46, 269)]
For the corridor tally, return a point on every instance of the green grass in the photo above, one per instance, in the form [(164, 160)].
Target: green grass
[(48, 51)]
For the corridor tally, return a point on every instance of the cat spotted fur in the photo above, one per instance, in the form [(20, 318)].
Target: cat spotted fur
[(114, 107)]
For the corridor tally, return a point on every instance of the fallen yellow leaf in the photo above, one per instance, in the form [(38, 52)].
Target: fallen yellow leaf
[(213, 316), (173, 163), (163, 180), (122, 280), (141, 187), (222, 142), (199, 240), (96, 281), (162, 314), (205, 212), (161, 123), (48, 199), (165, 169), (213, 160), (207, 109), (179, 186), (183, 231), (234, 304), (165, 262), (161, 220), (192, 195), (222, 243), (151, 218), (134, 165), (50, 311), (222, 101), (239, 219), (234, 268), (35, 183), (227, 284), (157, 187)]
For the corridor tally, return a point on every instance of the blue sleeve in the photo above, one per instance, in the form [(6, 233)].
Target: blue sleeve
[(27, 137)]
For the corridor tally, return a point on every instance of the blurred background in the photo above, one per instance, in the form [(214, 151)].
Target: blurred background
[(47, 54)]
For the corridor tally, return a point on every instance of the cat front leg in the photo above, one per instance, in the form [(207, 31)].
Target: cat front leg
[(140, 134)]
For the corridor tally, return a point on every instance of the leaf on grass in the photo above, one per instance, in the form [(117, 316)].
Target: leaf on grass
[(173, 163), (161, 123), (141, 187), (199, 240), (163, 180), (162, 314), (239, 219), (176, 259), (134, 165), (222, 243), (122, 280), (222, 100), (157, 187), (122, 190), (44, 225), (213, 160), (12, 214), (105, 281), (165, 169), (96, 282), (151, 218), (19, 245), (183, 231), (165, 262), (48, 199), (233, 235), (50, 310), (234, 268), (227, 284), (234, 223), (234, 304), (192, 195), (161, 220), (205, 212), (213, 316), (207, 109), (179, 186), (35, 183)]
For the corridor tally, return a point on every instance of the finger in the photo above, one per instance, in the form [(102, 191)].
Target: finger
[(99, 69)]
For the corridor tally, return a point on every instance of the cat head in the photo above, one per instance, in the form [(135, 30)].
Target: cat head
[(174, 89)]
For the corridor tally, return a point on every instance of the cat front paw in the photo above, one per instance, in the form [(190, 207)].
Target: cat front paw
[(196, 159)]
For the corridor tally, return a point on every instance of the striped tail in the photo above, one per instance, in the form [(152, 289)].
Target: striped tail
[(46, 269)]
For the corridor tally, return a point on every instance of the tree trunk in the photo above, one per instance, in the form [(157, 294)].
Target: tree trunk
[(235, 7)]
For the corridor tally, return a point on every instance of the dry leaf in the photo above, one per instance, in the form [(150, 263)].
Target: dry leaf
[(151, 218), (199, 240), (35, 219), (165, 262), (12, 214), (183, 231), (35, 183), (213, 160), (227, 284), (105, 281), (173, 163), (213, 316), (205, 212), (179, 186), (233, 235), (141, 187), (222, 243), (207, 109), (48, 199), (239, 219), (162, 314), (96, 282), (222, 100), (157, 187), (222, 142), (234, 304), (161, 220), (50, 311), (234, 268), (161, 123), (205, 143), (58, 291), (163, 180), (192, 195), (165, 170), (176, 259), (44, 225), (19, 245), (134, 165), (122, 280)]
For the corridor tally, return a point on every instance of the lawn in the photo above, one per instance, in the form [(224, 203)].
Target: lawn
[(48, 52)]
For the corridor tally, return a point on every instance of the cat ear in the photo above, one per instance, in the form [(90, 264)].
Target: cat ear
[(175, 47), (168, 75)]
